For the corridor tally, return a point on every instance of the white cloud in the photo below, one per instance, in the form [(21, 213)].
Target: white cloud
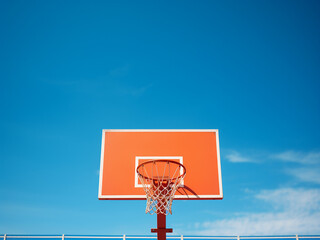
[(120, 71), (299, 157), (289, 199), (306, 174), (310, 158), (235, 157), (264, 224), (133, 91), (309, 162), (293, 211)]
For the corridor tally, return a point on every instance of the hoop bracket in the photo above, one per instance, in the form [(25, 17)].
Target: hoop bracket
[(155, 230)]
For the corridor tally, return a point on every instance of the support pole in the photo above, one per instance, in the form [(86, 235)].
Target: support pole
[(161, 229)]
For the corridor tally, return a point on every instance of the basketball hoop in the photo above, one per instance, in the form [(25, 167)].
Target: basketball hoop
[(160, 179)]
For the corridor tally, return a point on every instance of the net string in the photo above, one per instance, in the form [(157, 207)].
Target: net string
[(160, 189)]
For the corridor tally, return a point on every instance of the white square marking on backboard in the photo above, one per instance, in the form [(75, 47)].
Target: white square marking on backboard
[(136, 178)]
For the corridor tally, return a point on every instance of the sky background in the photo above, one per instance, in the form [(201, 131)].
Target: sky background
[(69, 69)]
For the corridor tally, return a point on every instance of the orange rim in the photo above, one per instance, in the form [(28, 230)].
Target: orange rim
[(161, 160)]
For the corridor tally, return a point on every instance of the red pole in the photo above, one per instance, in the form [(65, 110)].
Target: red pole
[(161, 229)]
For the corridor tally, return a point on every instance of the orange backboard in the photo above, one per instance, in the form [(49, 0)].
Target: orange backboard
[(123, 150)]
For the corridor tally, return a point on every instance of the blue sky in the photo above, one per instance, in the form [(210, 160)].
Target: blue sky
[(69, 69)]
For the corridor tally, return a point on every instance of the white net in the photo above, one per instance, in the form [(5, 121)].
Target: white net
[(160, 180)]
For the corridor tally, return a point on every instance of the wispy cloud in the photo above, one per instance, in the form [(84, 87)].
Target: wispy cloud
[(309, 158), (293, 211), (292, 199), (121, 71), (119, 76), (307, 165), (305, 174), (131, 90), (298, 157), (236, 157), (27, 210), (117, 81)]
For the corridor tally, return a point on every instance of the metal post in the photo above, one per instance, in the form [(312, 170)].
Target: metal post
[(297, 237), (181, 238), (124, 237), (161, 229), (5, 236), (161, 225)]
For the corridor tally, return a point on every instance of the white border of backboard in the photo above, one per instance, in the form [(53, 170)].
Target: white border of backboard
[(143, 197)]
